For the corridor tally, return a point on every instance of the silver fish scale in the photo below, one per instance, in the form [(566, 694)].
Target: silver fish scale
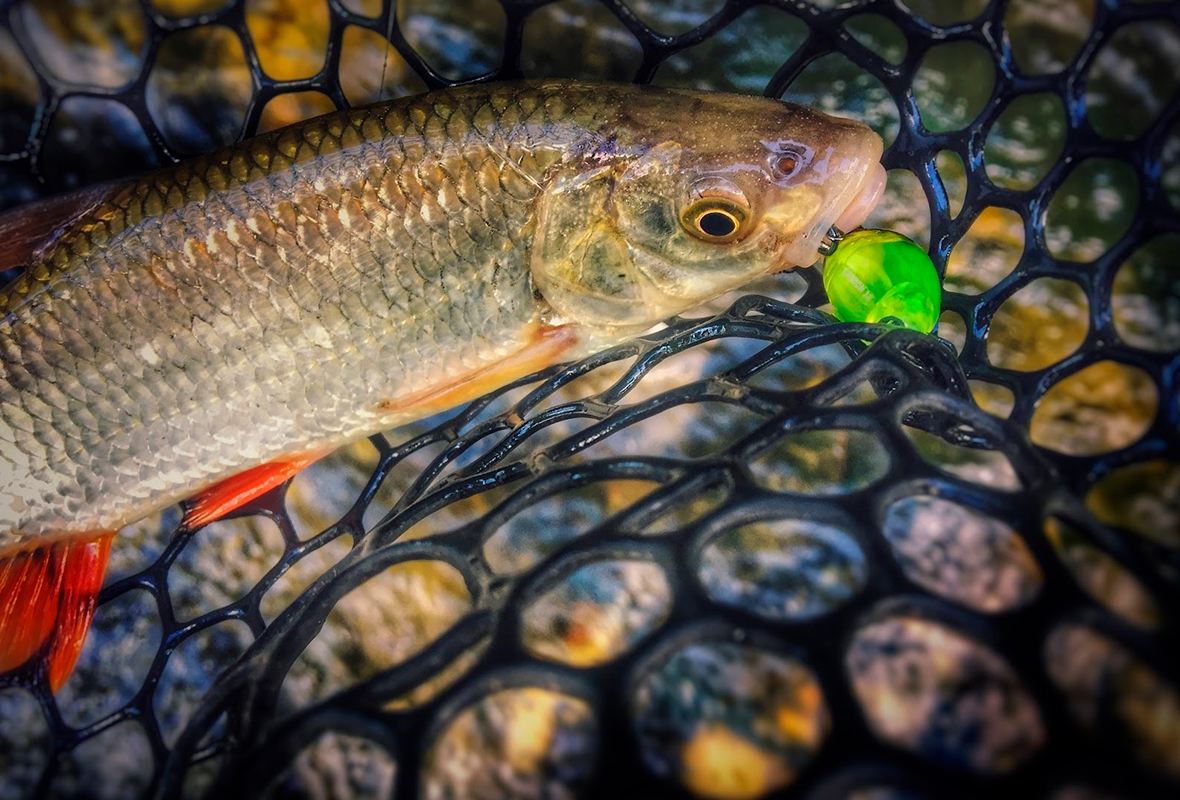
[(264, 300)]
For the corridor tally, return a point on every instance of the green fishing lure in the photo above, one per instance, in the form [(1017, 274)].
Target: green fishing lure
[(881, 276)]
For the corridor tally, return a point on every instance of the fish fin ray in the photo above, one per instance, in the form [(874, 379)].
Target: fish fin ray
[(29, 231), (230, 494), (48, 593), (545, 349)]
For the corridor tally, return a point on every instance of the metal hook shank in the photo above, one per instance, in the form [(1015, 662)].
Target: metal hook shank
[(831, 240)]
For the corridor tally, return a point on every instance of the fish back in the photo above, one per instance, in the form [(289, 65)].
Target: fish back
[(271, 297)]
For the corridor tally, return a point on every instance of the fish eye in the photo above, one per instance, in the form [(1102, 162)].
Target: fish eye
[(714, 221)]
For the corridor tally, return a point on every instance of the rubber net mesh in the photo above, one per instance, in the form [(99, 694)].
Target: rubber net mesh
[(748, 553)]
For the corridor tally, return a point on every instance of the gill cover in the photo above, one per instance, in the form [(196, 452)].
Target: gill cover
[(582, 264), (614, 254)]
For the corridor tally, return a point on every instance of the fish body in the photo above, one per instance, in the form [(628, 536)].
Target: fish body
[(300, 290)]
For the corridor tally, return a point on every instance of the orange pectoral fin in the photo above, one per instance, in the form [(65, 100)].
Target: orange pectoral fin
[(228, 495), (47, 595), (545, 349)]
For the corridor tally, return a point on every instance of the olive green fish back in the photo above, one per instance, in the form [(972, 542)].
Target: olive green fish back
[(282, 286)]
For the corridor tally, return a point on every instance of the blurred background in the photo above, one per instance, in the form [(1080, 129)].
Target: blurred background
[(1034, 148)]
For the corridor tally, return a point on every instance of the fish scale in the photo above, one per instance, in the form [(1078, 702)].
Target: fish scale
[(237, 293), (211, 329)]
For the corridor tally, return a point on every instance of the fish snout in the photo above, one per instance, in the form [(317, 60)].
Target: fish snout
[(847, 215), (864, 201)]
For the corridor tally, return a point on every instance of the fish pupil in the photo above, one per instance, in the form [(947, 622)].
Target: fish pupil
[(717, 223)]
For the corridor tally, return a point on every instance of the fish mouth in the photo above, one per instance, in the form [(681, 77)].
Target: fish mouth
[(864, 201)]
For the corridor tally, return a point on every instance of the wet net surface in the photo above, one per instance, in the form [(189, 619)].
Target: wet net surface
[(749, 553)]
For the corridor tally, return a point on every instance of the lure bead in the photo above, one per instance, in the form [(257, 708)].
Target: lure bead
[(873, 275)]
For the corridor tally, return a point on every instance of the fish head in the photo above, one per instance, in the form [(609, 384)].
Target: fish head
[(689, 195)]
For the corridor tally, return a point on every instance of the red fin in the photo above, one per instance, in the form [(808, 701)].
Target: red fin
[(28, 231), (47, 596), (230, 494)]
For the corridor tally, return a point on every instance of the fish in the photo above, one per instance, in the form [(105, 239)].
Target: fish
[(205, 331)]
